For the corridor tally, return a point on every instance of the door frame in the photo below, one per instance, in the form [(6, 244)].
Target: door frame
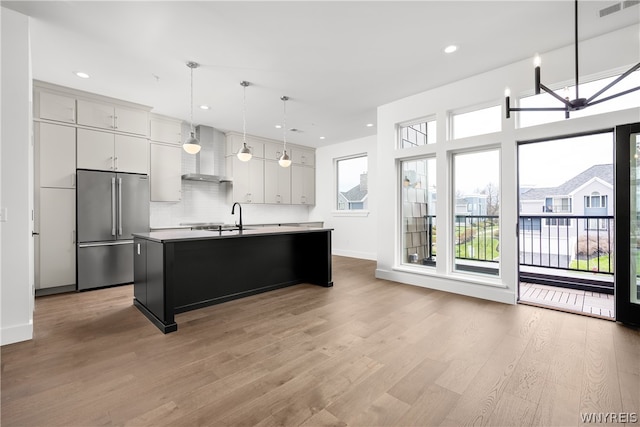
[(626, 311)]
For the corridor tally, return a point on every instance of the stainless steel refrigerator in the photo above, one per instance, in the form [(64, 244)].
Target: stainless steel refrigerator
[(110, 206)]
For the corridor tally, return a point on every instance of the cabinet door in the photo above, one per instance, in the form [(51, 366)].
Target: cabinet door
[(95, 150), (303, 183), (303, 157), (57, 248), (131, 154), (248, 180), (235, 143), (165, 173), (57, 107), (131, 121), (277, 183), (168, 131), (95, 114), (56, 154), (272, 151)]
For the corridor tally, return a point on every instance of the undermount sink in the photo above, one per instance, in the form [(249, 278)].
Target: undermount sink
[(226, 228)]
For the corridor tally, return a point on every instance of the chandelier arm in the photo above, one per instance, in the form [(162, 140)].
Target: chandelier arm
[(538, 109), (614, 96), (613, 83), (576, 47), (555, 95)]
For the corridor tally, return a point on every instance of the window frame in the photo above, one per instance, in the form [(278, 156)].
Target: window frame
[(336, 188)]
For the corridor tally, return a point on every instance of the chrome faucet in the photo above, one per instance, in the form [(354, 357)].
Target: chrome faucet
[(233, 208)]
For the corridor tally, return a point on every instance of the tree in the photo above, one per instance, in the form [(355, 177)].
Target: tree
[(493, 199)]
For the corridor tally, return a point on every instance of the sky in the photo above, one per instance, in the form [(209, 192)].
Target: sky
[(349, 171), (551, 163)]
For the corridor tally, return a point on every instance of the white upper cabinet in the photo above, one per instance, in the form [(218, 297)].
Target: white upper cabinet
[(273, 150), (57, 107), (108, 116), (165, 130), (248, 180), (111, 152), (277, 183), (165, 173), (55, 155), (302, 156), (235, 143), (303, 185)]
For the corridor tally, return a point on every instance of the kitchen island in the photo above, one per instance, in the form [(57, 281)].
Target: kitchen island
[(181, 270)]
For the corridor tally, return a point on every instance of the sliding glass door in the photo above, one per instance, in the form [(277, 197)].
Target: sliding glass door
[(627, 220)]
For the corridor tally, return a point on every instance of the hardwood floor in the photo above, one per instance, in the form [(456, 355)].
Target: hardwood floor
[(365, 352)]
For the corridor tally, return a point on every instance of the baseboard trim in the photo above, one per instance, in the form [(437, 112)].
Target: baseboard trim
[(354, 254), (13, 334)]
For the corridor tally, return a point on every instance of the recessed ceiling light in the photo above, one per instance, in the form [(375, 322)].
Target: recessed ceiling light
[(82, 75), (369, 125), (204, 107), (322, 137), (450, 49), (278, 126)]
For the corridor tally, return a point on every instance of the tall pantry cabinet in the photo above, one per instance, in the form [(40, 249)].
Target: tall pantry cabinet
[(75, 129)]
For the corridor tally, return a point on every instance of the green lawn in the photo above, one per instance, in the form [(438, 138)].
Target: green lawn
[(482, 249), (598, 264)]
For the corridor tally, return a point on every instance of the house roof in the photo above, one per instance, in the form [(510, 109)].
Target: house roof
[(603, 172), (355, 194)]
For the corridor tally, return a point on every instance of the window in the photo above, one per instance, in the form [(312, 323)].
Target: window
[(558, 204), (630, 100), (477, 122), (418, 189), (595, 200), (352, 191), (417, 134), (558, 222), (476, 221)]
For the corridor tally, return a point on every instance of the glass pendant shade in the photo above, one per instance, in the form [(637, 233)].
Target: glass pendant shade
[(284, 161), (191, 145), (245, 153)]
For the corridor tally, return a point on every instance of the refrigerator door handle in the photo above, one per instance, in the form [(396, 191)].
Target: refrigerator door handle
[(120, 206), (113, 206)]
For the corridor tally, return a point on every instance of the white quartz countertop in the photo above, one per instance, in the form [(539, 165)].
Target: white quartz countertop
[(177, 235)]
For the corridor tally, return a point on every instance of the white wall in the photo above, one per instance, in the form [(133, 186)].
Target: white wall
[(615, 51), (353, 236), (16, 194)]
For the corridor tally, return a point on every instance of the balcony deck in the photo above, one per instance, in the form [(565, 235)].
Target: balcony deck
[(571, 300)]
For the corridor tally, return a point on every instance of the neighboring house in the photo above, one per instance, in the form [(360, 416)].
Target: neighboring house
[(471, 205), (589, 193), (355, 198), (562, 233)]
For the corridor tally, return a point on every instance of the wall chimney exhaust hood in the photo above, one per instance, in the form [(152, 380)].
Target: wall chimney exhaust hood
[(210, 159)]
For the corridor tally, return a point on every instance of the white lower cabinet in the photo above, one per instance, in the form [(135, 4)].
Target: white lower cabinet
[(303, 185), (107, 151), (57, 239), (165, 173), (277, 183), (248, 180)]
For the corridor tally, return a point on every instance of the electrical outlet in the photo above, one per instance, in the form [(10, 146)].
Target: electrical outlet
[(3, 215)]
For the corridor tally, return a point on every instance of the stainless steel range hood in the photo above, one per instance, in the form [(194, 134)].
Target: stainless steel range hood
[(210, 160)]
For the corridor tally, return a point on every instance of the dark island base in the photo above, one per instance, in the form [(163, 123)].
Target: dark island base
[(178, 276), (165, 328)]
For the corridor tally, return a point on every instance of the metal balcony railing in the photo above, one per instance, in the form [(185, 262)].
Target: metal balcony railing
[(563, 242)]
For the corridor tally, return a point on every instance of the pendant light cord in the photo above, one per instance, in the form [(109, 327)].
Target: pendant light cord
[(191, 114), (244, 113), (284, 122)]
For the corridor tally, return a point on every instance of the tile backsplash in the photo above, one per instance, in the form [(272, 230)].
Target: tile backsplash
[(208, 202)]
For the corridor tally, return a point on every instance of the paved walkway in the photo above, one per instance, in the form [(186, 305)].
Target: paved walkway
[(592, 303)]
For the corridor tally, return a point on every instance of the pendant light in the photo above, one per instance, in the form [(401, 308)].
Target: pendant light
[(191, 145), (245, 153), (284, 160)]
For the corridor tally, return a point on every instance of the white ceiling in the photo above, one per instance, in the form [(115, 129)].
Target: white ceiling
[(336, 60)]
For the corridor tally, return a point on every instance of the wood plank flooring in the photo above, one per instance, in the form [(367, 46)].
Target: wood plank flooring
[(365, 352)]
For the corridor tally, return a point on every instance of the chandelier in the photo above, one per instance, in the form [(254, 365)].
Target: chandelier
[(577, 103)]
